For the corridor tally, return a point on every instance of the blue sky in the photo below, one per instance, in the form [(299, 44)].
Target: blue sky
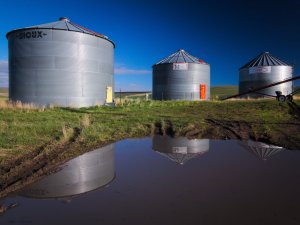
[(226, 34)]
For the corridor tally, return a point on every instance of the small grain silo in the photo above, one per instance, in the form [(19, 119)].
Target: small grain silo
[(181, 76), (60, 63), (263, 70)]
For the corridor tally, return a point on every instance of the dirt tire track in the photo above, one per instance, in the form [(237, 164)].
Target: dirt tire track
[(233, 129), (30, 167)]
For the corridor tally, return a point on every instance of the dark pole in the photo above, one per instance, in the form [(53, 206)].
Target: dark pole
[(263, 87)]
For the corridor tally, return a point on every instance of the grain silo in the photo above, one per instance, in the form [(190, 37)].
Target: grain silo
[(60, 63), (85, 173), (181, 149), (263, 70), (181, 76)]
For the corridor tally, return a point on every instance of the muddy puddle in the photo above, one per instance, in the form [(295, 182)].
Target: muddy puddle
[(164, 181)]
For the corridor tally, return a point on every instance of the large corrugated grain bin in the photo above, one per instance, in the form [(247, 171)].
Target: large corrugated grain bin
[(60, 63)]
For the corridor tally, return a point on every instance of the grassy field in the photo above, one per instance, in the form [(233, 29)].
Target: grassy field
[(26, 129), (3, 90), (34, 140), (297, 88), (132, 95), (218, 92), (3, 94)]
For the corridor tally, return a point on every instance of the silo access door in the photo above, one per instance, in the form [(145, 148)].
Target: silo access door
[(109, 95), (202, 91)]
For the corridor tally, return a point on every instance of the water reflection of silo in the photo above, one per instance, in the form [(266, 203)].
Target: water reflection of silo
[(85, 173), (181, 149), (261, 150)]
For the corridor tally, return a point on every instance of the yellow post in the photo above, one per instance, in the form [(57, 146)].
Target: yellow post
[(109, 95)]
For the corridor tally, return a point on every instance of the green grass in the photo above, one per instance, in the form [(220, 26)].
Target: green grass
[(23, 130), (132, 95), (218, 92), (297, 88)]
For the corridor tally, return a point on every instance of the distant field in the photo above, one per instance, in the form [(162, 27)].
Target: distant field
[(297, 88), (3, 90), (3, 93), (216, 92), (222, 91), (133, 95)]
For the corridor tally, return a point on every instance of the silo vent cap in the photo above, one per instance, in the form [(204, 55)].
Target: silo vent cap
[(64, 19)]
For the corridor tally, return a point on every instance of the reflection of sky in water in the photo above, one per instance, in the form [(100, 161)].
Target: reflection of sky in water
[(225, 186)]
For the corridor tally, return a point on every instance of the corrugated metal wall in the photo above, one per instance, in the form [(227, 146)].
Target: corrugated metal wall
[(255, 77), (170, 84), (62, 67)]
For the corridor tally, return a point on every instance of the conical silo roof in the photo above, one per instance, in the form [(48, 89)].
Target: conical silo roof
[(261, 150), (181, 158), (181, 56), (264, 59), (64, 23)]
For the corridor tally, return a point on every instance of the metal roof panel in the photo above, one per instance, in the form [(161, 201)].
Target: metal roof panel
[(181, 56), (264, 59), (65, 24)]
